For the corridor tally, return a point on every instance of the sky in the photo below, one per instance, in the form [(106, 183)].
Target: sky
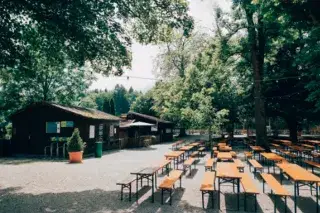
[(141, 77)]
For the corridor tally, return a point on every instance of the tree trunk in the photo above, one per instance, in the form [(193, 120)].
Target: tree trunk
[(182, 132), (293, 130), (257, 46), (230, 130), (210, 138)]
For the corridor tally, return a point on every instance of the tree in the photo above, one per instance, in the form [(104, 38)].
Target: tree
[(106, 106), (177, 54), (46, 77), (120, 101), (144, 104), (103, 37), (112, 110)]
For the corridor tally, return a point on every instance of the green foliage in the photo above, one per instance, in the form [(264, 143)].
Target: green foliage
[(106, 106), (75, 143), (143, 104), (95, 31), (112, 109)]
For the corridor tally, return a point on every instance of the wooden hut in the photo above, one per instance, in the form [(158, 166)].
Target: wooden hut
[(162, 129), (43, 124)]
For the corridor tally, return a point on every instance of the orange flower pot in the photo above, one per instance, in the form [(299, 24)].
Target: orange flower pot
[(75, 157)]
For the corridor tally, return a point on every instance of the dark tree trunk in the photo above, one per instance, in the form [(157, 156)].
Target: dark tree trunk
[(230, 130), (293, 130), (257, 46), (182, 132)]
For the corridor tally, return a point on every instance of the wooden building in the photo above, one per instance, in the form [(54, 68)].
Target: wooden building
[(43, 124), (162, 129)]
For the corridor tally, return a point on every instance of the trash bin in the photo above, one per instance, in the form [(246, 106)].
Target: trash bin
[(98, 152)]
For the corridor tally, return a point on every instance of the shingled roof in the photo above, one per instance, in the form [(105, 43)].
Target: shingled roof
[(84, 112), (152, 118)]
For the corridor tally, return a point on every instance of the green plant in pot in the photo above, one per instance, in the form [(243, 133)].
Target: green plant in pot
[(75, 146)]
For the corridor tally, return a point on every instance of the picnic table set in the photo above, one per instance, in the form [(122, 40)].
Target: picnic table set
[(226, 168)]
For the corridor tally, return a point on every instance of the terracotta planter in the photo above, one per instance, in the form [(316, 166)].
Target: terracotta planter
[(75, 157)]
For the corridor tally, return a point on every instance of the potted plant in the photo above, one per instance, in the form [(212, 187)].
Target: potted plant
[(75, 147)]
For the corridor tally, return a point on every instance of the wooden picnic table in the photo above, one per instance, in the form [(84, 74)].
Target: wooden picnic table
[(194, 144), (257, 149), (187, 149), (224, 156), (300, 177), (228, 173), (308, 146), (225, 148), (315, 142), (175, 155), (176, 144), (222, 144), (275, 145), (271, 157), (149, 173)]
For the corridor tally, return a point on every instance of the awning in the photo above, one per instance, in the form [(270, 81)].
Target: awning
[(139, 123)]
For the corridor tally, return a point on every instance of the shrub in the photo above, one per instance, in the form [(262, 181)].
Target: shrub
[(75, 142)]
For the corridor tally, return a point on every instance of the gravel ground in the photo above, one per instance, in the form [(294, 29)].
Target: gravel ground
[(32, 186)]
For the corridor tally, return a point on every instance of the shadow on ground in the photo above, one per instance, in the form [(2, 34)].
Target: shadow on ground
[(86, 201), (22, 160)]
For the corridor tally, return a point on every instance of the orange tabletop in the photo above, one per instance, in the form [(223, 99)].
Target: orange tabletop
[(214, 149), (228, 170), (257, 148), (272, 156), (224, 156), (174, 154), (297, 173), (186, 148), (299, 148), (308, 146), (275, 145), (225, 148), (222, 144), (312, 142), (194, 144)]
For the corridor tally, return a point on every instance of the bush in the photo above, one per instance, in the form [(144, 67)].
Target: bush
[(75, 142)]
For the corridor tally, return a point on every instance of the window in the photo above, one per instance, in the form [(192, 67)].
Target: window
[(52, 127), (168, 130), (67, 124), (154, 129), (91, 131)]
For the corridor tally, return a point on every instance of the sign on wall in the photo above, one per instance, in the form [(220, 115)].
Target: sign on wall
[(111, 132), (91, 131)]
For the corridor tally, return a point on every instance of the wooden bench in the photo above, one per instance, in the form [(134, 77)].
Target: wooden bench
[(201, 150), (214, 154), (126, 184), (312, 164), (256, 165), (208, 186), (233, 154), (239, 164), (249, 188), (276, 188), (188, 163), (195, 154), (168, 183), (209, 164), (248, 155), (165, 164)]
